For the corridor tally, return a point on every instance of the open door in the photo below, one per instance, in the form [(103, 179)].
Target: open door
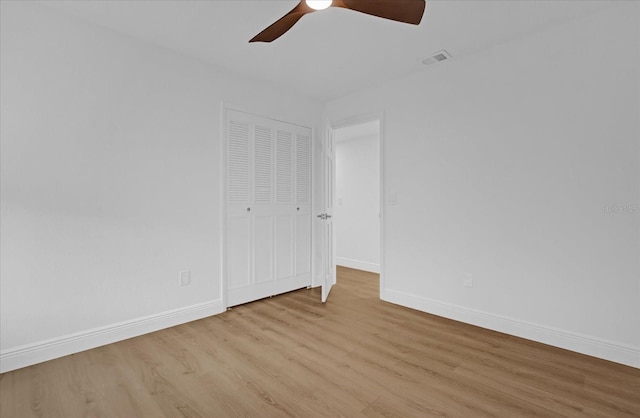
[(329, 190)]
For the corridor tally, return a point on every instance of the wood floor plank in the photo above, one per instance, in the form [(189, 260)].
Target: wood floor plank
[(292, 356)]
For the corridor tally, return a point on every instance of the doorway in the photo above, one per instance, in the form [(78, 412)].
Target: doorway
[(358, 191)]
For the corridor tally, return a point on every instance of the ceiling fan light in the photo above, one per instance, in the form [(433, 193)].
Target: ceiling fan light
[(319, 4)]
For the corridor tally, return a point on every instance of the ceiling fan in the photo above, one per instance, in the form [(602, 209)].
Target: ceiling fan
[(406, 11)]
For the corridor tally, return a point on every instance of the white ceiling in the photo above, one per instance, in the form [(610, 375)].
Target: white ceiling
[(326, 54)]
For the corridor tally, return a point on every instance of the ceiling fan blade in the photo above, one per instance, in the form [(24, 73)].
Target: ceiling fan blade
[(283, 24), (406, 11)]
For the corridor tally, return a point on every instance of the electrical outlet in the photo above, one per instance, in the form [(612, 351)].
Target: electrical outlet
[(468, 281), (184, 279)]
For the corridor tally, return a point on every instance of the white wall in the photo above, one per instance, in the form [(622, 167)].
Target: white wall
[(504, 164), (110, 182), (356, 214)]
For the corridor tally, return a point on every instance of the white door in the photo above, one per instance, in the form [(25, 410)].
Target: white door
[(303, 204), (268, 218), (329, 186)]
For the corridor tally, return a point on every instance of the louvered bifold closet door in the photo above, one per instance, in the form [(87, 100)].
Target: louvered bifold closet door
[(238, 222), (303, 202), (268, 233), (284, 203), (263, 233)]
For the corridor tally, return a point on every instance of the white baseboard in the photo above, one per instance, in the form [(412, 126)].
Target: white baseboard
[(26, 355), (607, 350), (358, 264)]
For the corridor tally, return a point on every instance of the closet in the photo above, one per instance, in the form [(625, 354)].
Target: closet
[(267, 241)]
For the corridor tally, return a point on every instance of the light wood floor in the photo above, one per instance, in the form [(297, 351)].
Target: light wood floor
[(290, 356)]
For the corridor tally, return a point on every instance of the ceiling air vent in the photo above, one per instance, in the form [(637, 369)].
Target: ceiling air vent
[(437, 57)]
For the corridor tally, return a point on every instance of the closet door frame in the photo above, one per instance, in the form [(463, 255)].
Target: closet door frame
[(224, 118)]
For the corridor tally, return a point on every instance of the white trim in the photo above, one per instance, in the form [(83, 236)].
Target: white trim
[(596, 347), (381, 141), (312, 208), (222, 164), (26, 355), (358, 264)]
